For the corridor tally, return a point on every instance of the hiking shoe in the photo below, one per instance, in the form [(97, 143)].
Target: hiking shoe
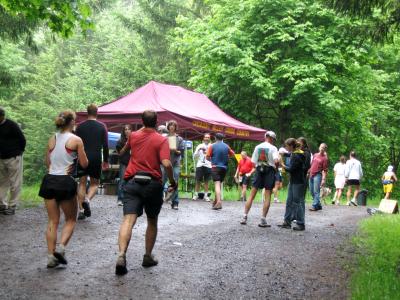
[(299, 227), (149, 261), (86, 208), (2, 209), (9, 211), (60, 257), (285, 225), (120, 267), (119, 203), (243, 221), (313, 209), (263, 223), (81, 216), (217, 207), (352, 201), (174, 206), (52, 261)]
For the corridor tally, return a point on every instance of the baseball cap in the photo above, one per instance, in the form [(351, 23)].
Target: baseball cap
[(270, 134)]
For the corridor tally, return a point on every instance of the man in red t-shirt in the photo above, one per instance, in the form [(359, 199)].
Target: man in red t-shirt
[(144, 189), (243, 173), (318, 172)]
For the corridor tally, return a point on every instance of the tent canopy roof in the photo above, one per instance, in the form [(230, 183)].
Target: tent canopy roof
[(194, 112)]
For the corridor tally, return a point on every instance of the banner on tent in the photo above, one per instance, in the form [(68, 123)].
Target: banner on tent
[(219, 128)]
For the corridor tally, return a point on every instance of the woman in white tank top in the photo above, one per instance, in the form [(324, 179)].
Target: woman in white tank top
[(58, 187)]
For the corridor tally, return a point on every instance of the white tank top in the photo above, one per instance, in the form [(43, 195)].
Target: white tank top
[(60, 157)]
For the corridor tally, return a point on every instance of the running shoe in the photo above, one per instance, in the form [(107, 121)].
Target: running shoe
[(81, 216), (119, 202), (285, 225), (149, 261), (263, 223), (353, 201), (9, 211), (299, 227), (195, 197), (60, 255), (120, 267), (276, 200), (86, 208), (52, 261), (243, 221), (207, 199), (174, 206)]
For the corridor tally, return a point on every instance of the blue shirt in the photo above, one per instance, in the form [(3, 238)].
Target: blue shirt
[(219, 153)]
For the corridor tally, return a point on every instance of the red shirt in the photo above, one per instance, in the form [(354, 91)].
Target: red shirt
[(319, 163), (148, 149), (245, 166)]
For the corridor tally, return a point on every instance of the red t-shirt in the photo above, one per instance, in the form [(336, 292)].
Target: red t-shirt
[(245, 166), (148, 149), (319, 163)]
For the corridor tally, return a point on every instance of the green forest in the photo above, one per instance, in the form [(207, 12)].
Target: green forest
[(325, 70)]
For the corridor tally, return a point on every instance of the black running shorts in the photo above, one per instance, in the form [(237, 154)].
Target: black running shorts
[(265, 180), (203, 174), (93, 169), (59, 187), (245, 180), (218, 174), (353, 182), (138, 196)]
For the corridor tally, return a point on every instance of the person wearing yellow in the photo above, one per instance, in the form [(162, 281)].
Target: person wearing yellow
[(388, 178)]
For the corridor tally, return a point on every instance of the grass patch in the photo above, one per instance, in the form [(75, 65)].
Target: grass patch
[(30, 197), (377, 272)]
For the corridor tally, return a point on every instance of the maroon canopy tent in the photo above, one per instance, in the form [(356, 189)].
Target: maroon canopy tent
[(194, 112)]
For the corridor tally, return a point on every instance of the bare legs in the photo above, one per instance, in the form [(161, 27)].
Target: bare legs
[(69, 207), (337, 196), (217, 202), (356, 191), (94, 184), (266, 205), (277, 187), (125, 233)]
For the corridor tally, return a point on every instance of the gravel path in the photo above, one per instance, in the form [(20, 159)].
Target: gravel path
[(203, 254)]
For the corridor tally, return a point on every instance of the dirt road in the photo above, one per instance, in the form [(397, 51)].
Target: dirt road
[(203, 254)]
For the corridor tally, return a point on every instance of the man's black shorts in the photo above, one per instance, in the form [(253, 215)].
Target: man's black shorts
[(355, 182), (203, 174), (93, 169), (245, 180), (265, 180), (218, 174), (138, 196), (59, 187)]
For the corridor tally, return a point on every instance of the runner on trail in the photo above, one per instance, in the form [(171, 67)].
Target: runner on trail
[(266, 161), (144, 188), (317, 175), (294, 207), (243, 174), (388, 179), (123, 160), (218, 153), (95, 138), (340, 180), (353, 174), (203, 167), (58, 187)]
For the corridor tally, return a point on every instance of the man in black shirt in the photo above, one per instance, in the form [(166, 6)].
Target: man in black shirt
[(95, 138), (12, 145)]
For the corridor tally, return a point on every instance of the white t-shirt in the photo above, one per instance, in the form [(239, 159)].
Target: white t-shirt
[(200, 155), (353, 169), (339, 169), (267, 149)]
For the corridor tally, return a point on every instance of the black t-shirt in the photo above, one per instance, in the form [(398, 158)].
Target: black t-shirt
[(95, 137), (12, 140), (296, 168), (124, 158)]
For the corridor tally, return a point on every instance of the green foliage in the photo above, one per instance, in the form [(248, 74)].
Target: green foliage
[(290, 66), (378, 247), (59, 16)]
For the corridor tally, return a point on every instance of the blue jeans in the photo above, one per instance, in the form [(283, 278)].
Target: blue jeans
[(121, 182), (315, 187), (176, 170), (294, 204)]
